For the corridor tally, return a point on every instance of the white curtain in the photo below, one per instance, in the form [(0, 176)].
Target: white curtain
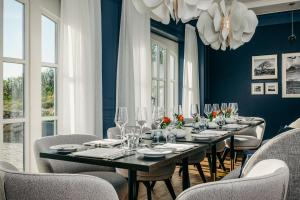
[(80, 73), (134, 63), (191, 87)]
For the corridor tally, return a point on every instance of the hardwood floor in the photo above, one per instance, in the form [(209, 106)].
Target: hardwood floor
[(161, 192)]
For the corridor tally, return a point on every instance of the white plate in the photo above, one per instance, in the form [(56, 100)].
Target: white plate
[(66, 147), (154, 153)]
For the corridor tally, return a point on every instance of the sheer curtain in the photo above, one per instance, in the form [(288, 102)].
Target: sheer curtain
[(191, 87), (80, 75), (134, 63)]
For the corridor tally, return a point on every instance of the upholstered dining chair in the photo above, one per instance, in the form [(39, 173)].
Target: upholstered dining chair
[(56, 166), (247, 139), (295, 124), (148, 178), (266, 180), (15, 185), (286, 147)]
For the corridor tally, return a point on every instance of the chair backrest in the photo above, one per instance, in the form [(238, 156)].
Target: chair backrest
[(271, 185), (24, 186), (256, 131), (56, 166), (286, 147), (295, 124), (115, 133)]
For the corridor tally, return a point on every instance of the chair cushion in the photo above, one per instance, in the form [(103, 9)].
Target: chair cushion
[(117, 181), (157, 175), (220, 147), (243, 142), (195, 158)]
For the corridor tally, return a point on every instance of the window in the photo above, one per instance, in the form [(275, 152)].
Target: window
[(164, 73), (13, 65), (48, 75)]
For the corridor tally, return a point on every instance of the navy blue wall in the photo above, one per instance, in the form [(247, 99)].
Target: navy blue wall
[(111, 15), (229, 76)]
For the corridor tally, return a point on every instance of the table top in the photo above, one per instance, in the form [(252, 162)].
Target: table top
[(188, 138), (133, 162)]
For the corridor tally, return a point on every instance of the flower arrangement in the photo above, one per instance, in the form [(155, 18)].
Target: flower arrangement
[(179, 121), (165, 122), (213, 115)]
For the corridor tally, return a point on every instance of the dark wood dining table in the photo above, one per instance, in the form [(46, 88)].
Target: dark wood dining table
[(134, 163), (212, 143)]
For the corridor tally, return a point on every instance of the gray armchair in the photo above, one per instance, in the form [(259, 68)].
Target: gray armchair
[(286, 147), (25, 186), (56, 166), (270, 184)]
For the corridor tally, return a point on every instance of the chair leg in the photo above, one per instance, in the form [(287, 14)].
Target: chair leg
[(148, 187), (219, 156), (180, 171), (170, 188), (225, 153), (152, 185), (198, 165), (209, 164), (235, 156)]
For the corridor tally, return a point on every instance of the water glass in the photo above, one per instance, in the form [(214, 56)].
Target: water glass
[(141, 118), (195, 112), (157, 115), (132, 138), (170, 138), (202, 123), (121, 120)]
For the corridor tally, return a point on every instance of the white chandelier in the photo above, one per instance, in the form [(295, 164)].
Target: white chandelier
[(222, 24)]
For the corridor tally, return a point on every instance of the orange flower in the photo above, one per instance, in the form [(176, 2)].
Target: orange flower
[(214, 114), (180, 118), (166, 120)]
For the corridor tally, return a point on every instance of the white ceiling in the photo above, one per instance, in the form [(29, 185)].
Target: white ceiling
[(271, 6)]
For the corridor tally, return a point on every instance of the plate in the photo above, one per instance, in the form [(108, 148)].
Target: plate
[(66, 147), (154, 153)]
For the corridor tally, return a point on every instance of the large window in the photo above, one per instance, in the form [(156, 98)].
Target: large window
[(164, 73), (13, 65), (48, 75)]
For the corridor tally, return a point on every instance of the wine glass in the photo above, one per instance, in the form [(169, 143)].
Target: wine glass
[(216, 107), (236, 107), (141, 117), (195, 112), (207, 109), (177, 111), (121, 119), (157, 116), (224, 108)]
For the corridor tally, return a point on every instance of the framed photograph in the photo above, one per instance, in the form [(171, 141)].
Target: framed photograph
[(291, 75), (257, 88), (271, 88), (264, 67)]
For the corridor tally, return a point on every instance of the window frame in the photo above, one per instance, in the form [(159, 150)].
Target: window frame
[(56, 20), (171, 50), (25, 62)]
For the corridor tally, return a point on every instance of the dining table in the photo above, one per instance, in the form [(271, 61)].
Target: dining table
[(133, 163), (213, 141)]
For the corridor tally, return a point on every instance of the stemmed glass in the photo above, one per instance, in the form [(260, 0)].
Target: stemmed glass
[(177, 111), (141, 118), (157, 116), (207, 109), (195, 113), (224, 108), (216, 108), (121, 120), (235, 108)]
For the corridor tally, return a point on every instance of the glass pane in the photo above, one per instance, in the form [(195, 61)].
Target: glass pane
[(48, 91), (172, 68), (162, 63), (171, 95), (13, 90), (154, 93), (161, 94), (13, 29), (48, 40), (12, 148), (154, 60), (48, 128)]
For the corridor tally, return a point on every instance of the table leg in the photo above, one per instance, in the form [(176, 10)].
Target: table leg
[(132, 193), (232, 153), (214, 162), (185, 174)]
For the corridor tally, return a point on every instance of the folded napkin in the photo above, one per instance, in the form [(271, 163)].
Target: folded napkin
[(103, 153), (234, 126), (177, 147), (103, 143), (209, 134)]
